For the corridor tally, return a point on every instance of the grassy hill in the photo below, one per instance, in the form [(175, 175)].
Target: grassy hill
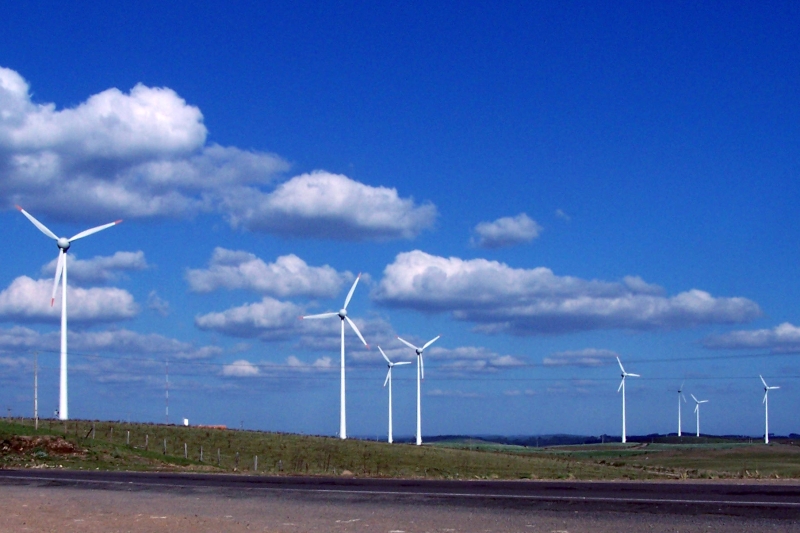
[(84, 444)]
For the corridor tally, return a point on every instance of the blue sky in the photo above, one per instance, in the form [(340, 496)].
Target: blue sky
[(546, 186)]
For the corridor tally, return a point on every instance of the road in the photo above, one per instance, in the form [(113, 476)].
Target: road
[(320, 504)]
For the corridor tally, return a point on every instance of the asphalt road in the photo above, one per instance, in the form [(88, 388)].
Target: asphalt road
[(770, 500)]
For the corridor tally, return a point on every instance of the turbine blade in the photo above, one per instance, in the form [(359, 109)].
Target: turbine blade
[(684, 398), (680, 389), (352, 290), (402, 363), (88, 232), (620, 365), (388, 374), (407, 343), (322, 315), (765, 397), (431, 341), (775, 387), (634, 375), (353, 325), (693, 398), (696, 407), (384, 356), (38, 224), (762, 380), (620, 385), (62, 257)]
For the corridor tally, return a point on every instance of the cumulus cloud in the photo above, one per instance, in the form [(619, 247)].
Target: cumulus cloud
[(245, 369), (28, 300), (784, 338), (98, 269), (506, 231), (498, 298), (157, 303), (471, 359), (269, 319), (453, 394), (287, 276), (144, 154), (585, 357), (333, 206), (128, 342)]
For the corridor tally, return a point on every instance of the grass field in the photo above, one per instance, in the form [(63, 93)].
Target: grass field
[(124, 446)]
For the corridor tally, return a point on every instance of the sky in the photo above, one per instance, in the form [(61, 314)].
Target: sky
[(548, 186)]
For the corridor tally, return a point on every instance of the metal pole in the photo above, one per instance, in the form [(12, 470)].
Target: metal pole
[(36, 390)]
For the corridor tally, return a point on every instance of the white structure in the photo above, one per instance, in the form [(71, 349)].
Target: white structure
[(765, 401), (680, 397), (389, 381), (342, 314), (61, 272), (622, 388), (697, 411), (420, 375)]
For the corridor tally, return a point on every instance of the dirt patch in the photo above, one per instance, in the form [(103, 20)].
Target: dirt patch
[(48, 443)]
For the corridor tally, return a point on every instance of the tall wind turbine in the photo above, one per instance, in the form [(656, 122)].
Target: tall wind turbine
[(697, 411), (389, 380), (680, 397), (420, 375), (342, 314), (622, 388), (765, 401), (61, 272)]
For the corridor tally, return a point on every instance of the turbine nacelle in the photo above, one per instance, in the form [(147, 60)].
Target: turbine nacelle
[(63, 243), (342, 313)]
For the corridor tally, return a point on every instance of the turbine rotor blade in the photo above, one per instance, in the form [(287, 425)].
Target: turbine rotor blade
[(633, 375), (765, 397), (388, 374), (680, 389), (322, 315), (620, 365), (696, 407), (775, 387), (620, 384), (693, 398), (62, 258), (38, 224), (88, 232), (402, 363), (352, 290), (407, 344), (431, 342), (762, 380), (684, 398), (353, 325), (387, 359)]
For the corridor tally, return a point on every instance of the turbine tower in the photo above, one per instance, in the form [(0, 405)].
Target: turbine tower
[(61, 273), (389, 380), (420, 375), (622, 388), (342, 314), (680, 397), (697, 411), (765, 401)]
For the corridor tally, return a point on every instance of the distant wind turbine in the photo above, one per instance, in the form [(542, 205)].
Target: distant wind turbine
[(420, 375), (389, 380), (342, 314), (61, 273), (680, 397), (622, 388), (697, 411), (765, 401)]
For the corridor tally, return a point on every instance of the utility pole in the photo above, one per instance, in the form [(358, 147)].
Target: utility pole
[(166, 390), (35, 391)]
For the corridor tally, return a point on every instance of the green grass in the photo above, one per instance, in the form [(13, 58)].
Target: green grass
[(123, 446)]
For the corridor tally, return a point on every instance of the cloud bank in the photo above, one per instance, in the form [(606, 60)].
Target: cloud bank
[(506, 231), (784, 338)]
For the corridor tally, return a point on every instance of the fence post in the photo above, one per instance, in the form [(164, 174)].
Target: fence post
[(219, 458), (237, 460), (185, 451), (165, 445), (128, 438), (92, 430), (111, 435), (146, 441), (255, 464), (201, 454)]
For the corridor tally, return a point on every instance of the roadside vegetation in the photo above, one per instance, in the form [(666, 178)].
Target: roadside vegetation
[(81, 444)]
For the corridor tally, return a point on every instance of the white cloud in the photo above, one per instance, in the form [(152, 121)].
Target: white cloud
[(293, 366), (128, 342), (498, 298), (144, 154), (324, 205), (453, 394), (157, 303), (585, 357), (268, 319), (287, 276), (506, 231), (240, 369), (784, 338), (28, 300), (471, 359), (98, 268)]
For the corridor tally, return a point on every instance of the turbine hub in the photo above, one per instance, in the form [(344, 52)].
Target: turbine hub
[(342, 313), (63, 243), (419, 352)]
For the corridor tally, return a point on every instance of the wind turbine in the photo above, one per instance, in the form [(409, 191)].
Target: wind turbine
[(680, 397), (622, 388), (765, 401), (61, 272), (420, 375), (342, 314), (697, 411), (389, 380)]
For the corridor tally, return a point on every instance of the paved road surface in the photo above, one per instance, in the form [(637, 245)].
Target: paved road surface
[(121, 501)]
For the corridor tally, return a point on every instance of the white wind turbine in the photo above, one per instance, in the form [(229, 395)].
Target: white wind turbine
[(622, 388), (680, 397), (389, 380), (420, 375), (61, 272), (342, 314), (765, 401), (697, 411)]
